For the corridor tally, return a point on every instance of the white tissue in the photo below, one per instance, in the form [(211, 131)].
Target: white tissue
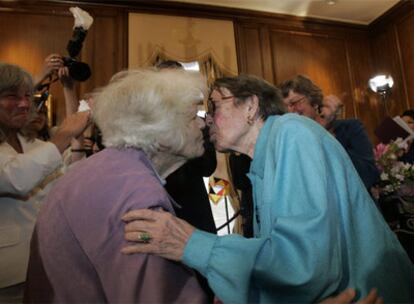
[(83, 106), (82, 18)]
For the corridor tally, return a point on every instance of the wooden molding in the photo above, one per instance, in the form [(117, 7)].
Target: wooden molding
[(199, 10), (400, 10)]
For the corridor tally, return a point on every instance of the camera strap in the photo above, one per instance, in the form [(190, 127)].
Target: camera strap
[(45, 86), (235, 215)]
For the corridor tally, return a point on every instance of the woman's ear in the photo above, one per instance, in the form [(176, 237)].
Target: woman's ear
[(318, 109), (252, 107)]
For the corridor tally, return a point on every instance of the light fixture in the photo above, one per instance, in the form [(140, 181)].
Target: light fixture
[(382, 84), (331, 2)]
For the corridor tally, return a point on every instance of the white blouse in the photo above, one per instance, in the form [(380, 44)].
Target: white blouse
[(25, 179)]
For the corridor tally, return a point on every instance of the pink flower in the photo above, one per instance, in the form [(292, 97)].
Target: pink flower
[(396, 177), (380, 150)]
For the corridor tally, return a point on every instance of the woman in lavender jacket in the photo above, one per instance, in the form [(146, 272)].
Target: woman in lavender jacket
[(150, 128)]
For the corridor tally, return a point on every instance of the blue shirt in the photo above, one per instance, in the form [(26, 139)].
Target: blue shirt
[(317, 231)]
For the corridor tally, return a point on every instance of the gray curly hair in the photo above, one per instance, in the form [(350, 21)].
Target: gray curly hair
[(144, 108)]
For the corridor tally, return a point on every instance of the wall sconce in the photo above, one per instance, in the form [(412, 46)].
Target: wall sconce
[(382, 84)]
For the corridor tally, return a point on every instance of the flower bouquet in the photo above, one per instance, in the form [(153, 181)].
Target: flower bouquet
[(397, 178)]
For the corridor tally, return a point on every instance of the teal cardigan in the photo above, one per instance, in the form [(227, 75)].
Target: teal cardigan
[(317, 231)]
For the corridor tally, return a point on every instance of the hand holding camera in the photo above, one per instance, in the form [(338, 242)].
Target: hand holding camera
[(68, 68)]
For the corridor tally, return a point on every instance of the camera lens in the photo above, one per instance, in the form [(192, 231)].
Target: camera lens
[(79, 71)]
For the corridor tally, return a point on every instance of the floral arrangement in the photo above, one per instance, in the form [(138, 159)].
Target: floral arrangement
[(397, 178)]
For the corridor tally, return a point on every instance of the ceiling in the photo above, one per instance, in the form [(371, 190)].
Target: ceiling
[(351, 11)]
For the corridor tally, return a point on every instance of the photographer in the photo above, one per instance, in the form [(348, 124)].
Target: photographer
[(74, 69), (68, 70), (37, 126)]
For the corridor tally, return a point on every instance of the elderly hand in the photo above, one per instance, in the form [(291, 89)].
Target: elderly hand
[(167, 234), (348, 295)]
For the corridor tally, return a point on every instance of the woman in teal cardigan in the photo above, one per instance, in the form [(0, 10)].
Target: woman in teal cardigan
[(316, 230)]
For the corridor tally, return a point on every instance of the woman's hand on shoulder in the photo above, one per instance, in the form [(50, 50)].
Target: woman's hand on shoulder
[(156, 232)]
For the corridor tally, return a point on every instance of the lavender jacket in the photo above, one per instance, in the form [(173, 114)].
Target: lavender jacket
[(75, 251)]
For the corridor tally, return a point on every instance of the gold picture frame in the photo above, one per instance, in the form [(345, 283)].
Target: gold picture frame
[(38, 97)]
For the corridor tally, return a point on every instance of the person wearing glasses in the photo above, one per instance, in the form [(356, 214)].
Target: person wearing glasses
[(316, 229), (302, 96)]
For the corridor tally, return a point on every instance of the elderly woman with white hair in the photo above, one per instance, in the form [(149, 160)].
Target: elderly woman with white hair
[(150, 128)]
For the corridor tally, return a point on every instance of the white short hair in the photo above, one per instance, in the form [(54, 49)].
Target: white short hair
[(145, 108)]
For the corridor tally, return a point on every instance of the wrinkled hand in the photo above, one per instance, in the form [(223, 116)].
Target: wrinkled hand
[(82, 18), (169, 234), (347, 296)]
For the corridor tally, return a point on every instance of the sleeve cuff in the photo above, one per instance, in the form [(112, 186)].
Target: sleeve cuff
[(197, 252)]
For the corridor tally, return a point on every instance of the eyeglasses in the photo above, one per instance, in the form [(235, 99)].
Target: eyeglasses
[(293, 103), (212, 107)]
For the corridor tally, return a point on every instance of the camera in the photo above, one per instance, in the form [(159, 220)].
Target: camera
[(79, 71)]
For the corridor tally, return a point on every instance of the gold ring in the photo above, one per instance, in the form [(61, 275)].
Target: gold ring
[(144, 237)]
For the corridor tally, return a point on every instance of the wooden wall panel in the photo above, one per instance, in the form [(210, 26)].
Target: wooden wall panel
[(360, 66), (322, 58), (105, 49), (385, 51), (340, 62), (405, 39), (249, 45), (31, 40), (392, 44), (29, 34)]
